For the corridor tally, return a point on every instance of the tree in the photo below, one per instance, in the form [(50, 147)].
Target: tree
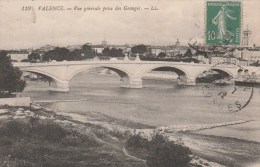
[(75, 55), (188, 53), (58, 54), (166, 153), (140, 49), (161, 55), (87, 51), (113, 52), (119, 53), (10, 77), (33, 57), (106, 52), (178, 56), (116, 52)]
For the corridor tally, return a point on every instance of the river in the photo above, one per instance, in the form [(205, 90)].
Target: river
[(162, 102)]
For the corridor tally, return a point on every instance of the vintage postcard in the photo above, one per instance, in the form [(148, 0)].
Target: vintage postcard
[(129, 83)]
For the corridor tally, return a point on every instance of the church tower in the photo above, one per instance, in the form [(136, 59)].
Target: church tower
[(247, 37), (104, 43), (177, 42)]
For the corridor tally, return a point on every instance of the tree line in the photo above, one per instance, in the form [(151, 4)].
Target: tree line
[(62, 53), (86, 52)]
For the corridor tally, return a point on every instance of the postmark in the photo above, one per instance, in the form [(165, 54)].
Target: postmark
[(227, 96), (223, 22)]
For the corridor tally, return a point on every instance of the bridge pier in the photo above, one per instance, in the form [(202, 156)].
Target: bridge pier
[(136, 83), (61, 86), (191, 81)]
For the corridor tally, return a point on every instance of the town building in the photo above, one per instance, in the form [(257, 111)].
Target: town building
[(46, 48), (237, 53), (218, 59), (155, 50), (18, 55), (127, 49), (248, 53), (202, 59), (182, 49), (171, 51), (73, 47), (243, 62), (252, 55), (98, 48)]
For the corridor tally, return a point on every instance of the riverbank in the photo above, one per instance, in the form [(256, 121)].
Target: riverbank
[(227, 151), (40, 137), (108, 134)]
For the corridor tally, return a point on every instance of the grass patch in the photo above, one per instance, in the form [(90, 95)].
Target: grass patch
[(44, 143)]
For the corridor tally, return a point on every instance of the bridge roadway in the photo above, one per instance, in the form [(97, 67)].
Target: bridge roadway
[(130, 71)]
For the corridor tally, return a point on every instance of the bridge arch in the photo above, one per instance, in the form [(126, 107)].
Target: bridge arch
[(55, 78), (121, 72), (217, 69), (184, 75), (179, 71)]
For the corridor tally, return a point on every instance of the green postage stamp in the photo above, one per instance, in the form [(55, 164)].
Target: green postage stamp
[(223, 22)]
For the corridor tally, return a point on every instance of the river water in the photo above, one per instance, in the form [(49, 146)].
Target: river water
[(160, 102)]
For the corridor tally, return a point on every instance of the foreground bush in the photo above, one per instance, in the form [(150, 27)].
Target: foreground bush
[(137, 141), (5, 141), (160, 151), (14, 129), (163, 152), (71, 141), (50, 131)]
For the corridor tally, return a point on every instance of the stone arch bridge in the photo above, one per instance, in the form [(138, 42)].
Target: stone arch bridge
[(130, 71)]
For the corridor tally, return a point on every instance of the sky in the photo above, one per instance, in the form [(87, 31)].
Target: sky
[(183, 19)]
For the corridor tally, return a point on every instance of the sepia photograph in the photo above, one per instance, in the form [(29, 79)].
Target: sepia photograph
[(129, 83)]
